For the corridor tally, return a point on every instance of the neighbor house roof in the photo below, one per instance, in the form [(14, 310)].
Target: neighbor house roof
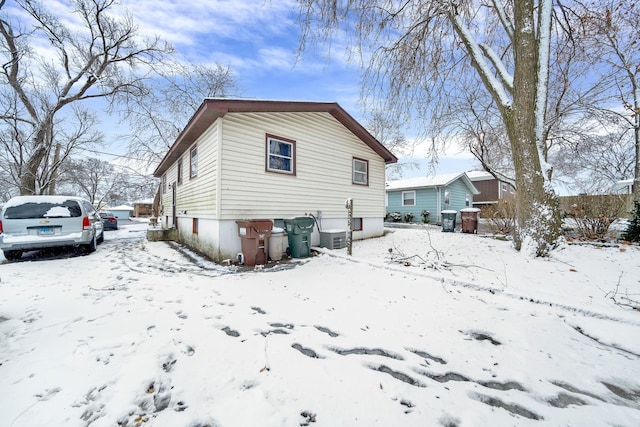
[(431, 182), (475, 176), (213, 108), (479, 175), (143, 202), (121, 208)]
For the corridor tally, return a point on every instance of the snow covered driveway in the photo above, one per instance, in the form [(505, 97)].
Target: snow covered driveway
[(468, 333)]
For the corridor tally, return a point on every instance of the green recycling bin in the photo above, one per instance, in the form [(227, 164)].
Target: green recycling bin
[(299, 231), (449, 220)]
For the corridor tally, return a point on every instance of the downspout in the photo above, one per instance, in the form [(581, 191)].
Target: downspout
[(439, 204)]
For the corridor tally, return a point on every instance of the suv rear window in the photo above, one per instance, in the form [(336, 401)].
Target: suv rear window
[(30, 210)]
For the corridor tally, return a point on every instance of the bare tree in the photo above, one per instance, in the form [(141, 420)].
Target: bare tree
[(97, 58), (157, 118), (420, 48), (92, 178), (601, 158), (389, 133), (76, 130), (613, 27), (103, 183)]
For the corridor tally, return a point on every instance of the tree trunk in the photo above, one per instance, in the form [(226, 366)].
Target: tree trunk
[(28, 178), (53, 179), (636, 130), (537, 212)]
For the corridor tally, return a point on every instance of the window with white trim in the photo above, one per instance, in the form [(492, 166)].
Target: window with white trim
[(408, 198), (193, 164), (281, 155), (164, 184), (180, 171), (360, 171)]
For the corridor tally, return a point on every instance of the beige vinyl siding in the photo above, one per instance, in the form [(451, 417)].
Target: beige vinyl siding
[(323, 180), (197, 196), (165, 200)]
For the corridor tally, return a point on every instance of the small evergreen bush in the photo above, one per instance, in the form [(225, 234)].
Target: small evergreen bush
[(395, 216), (632, 233), (425, 216)]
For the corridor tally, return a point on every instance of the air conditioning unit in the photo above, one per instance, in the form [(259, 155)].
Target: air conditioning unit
[(333, 239)]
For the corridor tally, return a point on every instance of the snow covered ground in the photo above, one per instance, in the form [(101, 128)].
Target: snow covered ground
[(417, 328)]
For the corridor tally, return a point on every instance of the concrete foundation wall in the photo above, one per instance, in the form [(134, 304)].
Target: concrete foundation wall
[(219, 239)]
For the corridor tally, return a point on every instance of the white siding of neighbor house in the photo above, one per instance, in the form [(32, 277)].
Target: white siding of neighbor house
[(323, 180)]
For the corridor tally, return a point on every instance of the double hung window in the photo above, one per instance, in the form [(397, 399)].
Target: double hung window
[(281, 154), (193, 164), (360, 171), (408, 198)]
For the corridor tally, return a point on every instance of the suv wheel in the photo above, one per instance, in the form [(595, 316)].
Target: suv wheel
[(12, 254), (91, 246)]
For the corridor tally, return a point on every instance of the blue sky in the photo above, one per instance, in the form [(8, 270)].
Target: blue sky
[(259, 39)]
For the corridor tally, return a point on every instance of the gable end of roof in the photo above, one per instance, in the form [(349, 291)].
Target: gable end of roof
[(213, 108)]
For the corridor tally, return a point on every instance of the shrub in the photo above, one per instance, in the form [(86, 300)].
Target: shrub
[(501, 216), (592, 215), (632, 233), (395, 216), (408, 217), (425, 216)]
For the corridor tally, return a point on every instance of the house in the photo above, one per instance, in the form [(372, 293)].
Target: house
[(431, 193), (143, 208), (241, 159), (491, 189), (624, 186), (121, 212)]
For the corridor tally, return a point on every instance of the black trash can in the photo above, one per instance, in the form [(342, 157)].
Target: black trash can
[(449, 220)]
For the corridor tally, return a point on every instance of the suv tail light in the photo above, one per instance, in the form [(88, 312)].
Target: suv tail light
[(86, 225), (0, 226)]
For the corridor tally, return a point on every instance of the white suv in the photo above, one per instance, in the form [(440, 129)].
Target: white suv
[(37, 222)]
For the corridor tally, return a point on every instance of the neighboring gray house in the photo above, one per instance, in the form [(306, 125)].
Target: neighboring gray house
[(121, 212), (491, 189), (431, 193), (241, 159)]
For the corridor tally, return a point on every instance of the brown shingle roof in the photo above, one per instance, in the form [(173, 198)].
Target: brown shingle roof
[(213, 108)]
